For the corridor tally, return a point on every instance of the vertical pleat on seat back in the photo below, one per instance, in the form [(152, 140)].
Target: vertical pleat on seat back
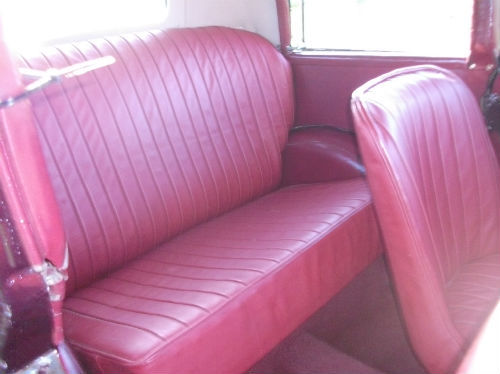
[(184, 126), (436, 187), (429, 129)]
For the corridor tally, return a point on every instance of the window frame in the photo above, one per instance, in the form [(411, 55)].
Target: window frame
[(483, 43)]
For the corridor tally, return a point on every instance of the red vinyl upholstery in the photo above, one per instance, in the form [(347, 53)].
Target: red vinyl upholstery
[(185, 255), (185, 126), (320, 154), (217, 297), (435, 182)]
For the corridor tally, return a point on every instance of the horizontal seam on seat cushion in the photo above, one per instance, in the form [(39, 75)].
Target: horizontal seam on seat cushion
[(149, 356)]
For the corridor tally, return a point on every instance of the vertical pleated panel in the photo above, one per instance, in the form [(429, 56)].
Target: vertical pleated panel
[(431, 133), (436, 187), (184, 126)]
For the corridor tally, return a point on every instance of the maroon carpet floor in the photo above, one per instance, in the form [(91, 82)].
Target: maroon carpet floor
[(358, 332)]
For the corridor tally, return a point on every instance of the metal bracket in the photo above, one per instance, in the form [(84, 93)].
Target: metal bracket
[(50, 362), (50, 274), (53, 276), (53, 75)]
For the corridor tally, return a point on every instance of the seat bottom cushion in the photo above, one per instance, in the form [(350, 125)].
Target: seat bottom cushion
[(218, 297), (473, 293)]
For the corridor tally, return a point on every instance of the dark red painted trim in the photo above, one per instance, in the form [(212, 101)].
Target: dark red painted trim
[(381, 60), (31, 233), (284, 22), (482, 53), (25, 299)]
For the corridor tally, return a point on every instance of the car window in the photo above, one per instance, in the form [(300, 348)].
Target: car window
[(410, 27), (30, 23)]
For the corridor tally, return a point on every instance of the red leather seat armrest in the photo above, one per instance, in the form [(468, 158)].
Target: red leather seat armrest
[(316, 154)]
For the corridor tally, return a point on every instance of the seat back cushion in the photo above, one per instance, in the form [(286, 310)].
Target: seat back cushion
[(435, 183), (187, 124), (427, 131)]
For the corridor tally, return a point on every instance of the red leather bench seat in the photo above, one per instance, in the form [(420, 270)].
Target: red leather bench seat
[(217, 297), (185, 255)]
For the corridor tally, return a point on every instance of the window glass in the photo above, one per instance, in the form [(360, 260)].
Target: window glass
[(29, 23), (411, 27)]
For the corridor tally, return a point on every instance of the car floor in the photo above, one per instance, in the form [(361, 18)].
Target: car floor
[(358, 331)]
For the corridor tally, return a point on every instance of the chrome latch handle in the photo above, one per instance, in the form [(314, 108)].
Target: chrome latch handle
[(53, 75)]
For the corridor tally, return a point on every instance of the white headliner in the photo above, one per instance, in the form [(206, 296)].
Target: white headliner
[(259, 16)]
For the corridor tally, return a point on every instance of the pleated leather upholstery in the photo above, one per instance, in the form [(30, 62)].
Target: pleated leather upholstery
[(473, 293), (185, 255), (184, 126), (435, 182), (218, 297)]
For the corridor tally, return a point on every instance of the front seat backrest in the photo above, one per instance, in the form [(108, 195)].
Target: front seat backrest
[(435, 182)]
